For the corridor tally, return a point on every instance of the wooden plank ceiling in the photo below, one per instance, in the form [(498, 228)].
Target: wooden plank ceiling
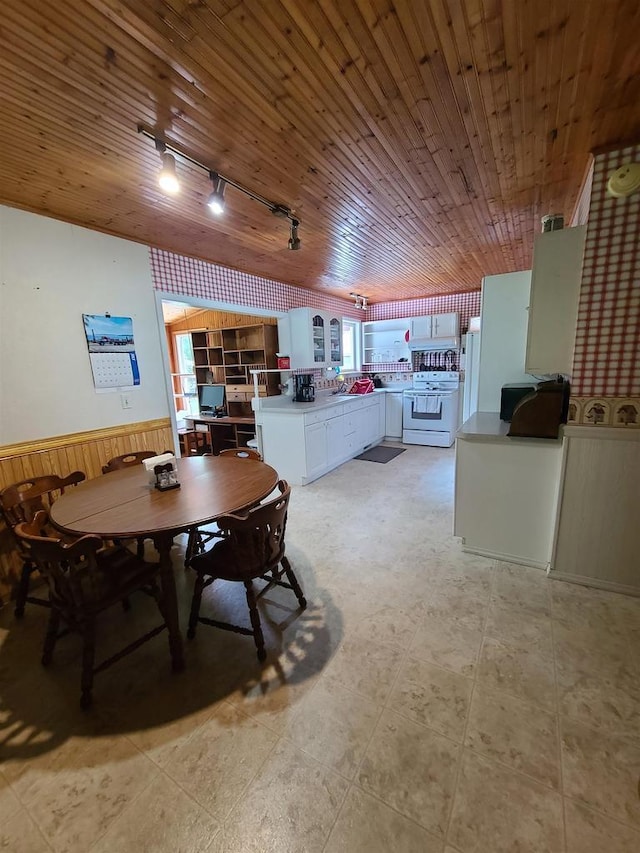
[(418, 142)]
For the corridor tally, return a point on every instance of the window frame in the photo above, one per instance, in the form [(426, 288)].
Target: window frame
[(356, 327)]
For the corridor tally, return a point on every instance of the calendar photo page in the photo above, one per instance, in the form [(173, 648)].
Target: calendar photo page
[(111, 351)]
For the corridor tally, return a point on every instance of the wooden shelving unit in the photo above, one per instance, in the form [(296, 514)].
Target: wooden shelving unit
[(226, 357)]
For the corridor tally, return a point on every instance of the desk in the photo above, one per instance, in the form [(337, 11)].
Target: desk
[(123, 505), (229, 431)]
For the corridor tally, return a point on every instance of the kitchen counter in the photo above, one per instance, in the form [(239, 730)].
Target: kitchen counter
[(483, 425), (506, 491), (284, 405), (487, 426)]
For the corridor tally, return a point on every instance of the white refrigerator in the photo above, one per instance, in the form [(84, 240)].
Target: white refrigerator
[(471, 365)]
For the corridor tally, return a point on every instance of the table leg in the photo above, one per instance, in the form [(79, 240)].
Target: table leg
[(163, 544)]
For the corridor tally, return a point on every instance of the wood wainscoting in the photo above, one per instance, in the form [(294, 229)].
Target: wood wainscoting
[(83, 451)]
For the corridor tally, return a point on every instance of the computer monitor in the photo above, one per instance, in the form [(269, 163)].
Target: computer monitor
[(211, 399)]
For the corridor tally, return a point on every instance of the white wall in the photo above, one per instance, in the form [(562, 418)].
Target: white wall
[(50, 274), (503, 336)]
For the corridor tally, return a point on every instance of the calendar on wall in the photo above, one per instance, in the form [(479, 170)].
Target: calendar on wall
[(111, 351)]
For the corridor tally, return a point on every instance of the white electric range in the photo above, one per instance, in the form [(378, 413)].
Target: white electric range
[(430, 409)]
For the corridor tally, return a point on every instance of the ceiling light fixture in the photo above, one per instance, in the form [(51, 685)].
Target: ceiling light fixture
[(360, 301), (168, 180), (167, 177), (294, 240), (216, 199)]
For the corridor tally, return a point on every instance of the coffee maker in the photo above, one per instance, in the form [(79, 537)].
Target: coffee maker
[(304, 390)]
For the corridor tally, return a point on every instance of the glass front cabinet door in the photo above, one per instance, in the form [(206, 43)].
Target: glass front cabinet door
[(335, 341), (318, 337)]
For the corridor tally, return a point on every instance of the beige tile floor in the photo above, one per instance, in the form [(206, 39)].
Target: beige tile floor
[(427, 700)]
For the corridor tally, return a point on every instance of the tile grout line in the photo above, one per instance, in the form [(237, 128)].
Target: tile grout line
[(471, 695), (220, 820), (558, 721), (383, 707)]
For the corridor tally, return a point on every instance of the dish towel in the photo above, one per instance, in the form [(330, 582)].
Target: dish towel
[(420, 404), (433, 405)]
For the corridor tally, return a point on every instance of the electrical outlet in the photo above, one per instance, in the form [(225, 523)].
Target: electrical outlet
[(126, 401)]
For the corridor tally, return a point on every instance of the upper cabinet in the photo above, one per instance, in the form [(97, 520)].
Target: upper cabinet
[(315, 338), (420, 327), (435, 326), (444, 325), (553, 305), (335, 340), (434, 332)]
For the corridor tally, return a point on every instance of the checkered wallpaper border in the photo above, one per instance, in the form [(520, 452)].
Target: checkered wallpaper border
[(184, 276), (606, 357), (465, 304)]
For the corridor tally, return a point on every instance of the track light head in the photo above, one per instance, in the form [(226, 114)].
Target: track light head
[(168, 178), (360, 301), (294, 240), (216, 199)]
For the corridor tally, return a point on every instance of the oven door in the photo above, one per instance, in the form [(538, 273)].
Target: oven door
[(428, 410)]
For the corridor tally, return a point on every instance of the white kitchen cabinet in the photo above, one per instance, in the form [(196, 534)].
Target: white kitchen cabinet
[(308, 338), (315, 440), (336, 444), (315, 338), (435, 326), (393, 414), (421, 327), (553, 306), (386, 341), (444, 325), (303, 444), (334, 339)]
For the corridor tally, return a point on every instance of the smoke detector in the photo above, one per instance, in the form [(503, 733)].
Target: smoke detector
[(624, 181)]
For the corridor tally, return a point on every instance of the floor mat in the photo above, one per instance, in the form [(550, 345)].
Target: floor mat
[(380, 454)]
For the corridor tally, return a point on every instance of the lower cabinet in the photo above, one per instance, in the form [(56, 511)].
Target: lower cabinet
[(316, 451), (302, 447), (393, 414)]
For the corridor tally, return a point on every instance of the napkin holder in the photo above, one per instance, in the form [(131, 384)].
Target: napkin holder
[(162, 471)]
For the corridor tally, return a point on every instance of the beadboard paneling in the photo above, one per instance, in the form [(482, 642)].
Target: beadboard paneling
[(418, 142), (210, 319), (598, 536)]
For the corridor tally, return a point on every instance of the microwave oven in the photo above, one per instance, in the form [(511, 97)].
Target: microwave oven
[(511, 395)]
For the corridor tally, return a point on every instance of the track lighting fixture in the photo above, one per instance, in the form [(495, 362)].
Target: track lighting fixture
[(360, 301), (294, 240), (168, 180), (216, 199), (167, 177)]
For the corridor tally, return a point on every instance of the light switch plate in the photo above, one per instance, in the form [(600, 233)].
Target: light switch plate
[(126, 401)]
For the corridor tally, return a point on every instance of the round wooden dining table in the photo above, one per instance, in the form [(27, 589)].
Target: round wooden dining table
[(123, 505)]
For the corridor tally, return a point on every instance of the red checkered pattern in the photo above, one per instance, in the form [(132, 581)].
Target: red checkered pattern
[(465, 304), (177, 274), (180, 275), (608, 330)]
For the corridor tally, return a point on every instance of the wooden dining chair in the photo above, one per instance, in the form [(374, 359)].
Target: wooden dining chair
[(253, 547), (136, 457), (128, 460), (200, 536), (241, 453), (20, 502), (85, 578)]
